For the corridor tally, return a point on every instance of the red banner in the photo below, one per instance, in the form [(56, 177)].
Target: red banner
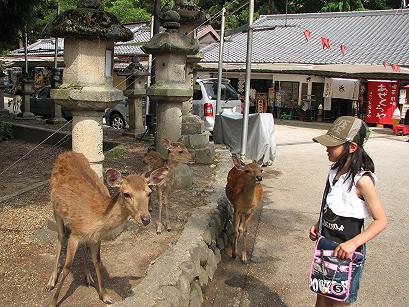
[(382, 101)]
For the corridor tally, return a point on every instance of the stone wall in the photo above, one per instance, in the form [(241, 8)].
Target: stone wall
[(178, 276)]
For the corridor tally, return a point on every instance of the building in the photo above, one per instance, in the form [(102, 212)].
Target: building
[(302, 63)]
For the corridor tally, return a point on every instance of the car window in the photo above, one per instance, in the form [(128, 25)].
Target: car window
[(227, 92), (197, 92), (44, 93)]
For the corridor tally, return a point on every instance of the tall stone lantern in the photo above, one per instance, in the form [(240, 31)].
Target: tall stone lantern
[(135, 75), (170, 49), (87, 87)]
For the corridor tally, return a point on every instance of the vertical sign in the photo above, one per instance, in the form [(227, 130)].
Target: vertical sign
[(382, 101)]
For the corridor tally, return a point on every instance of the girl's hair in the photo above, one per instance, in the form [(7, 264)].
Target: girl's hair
[(360, 160)]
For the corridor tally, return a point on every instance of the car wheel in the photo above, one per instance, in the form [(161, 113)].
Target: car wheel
[(117, 121)]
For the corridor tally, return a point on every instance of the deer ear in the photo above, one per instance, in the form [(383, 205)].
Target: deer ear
[(167, 143), (237, 162), (158, 175), (114, 178)]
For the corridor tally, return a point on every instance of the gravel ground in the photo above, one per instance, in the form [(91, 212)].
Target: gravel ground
[(27, 245)]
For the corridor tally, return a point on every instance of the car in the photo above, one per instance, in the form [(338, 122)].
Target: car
[(204, 100), (118, 116), (41, 104)]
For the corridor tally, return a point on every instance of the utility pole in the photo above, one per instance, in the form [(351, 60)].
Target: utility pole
[(219, 76), (247, 85), (148, 81), (56, 41)]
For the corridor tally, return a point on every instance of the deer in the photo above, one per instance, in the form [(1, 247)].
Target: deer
[(82, 202), (244, 191), (177, 153)]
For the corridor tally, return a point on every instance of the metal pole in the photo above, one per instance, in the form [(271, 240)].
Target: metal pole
[(219, 76), (156, 11), (148, 81), (247, 85), (56, 41), (25, 53)]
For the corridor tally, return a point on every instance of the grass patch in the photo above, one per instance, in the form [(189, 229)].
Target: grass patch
[(115, 152)]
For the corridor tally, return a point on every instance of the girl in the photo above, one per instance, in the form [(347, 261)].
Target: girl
[(350, 196)]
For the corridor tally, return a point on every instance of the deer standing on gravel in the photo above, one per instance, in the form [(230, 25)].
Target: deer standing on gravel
[(244, 191), (177, 153), (81, 200)]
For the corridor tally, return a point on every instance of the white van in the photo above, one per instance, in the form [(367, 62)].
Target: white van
[(204, 100)]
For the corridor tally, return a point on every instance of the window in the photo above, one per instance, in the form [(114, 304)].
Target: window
[(227, 91)]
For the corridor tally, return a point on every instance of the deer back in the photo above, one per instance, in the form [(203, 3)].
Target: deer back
[(243, 188)]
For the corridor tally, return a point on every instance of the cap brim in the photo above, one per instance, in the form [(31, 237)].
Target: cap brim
[(327, 140)]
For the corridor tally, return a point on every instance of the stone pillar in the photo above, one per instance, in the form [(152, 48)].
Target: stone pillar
[(56, 113), (87, 87), (28, 90), (135, 89), (170, 90)]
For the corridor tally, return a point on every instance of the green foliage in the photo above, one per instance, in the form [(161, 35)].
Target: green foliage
[(6, 131), (128, 11)]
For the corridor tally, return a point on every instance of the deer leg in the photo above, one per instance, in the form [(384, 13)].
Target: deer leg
[(88, 278), (246, 223), (71, 249), (236, 222), (96, 259), (166, 202), (159, 226), (54, 275)]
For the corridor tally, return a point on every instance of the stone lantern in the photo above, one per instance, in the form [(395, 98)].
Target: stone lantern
[(170, 49), (135, 75), (194, 135), (87, 86)]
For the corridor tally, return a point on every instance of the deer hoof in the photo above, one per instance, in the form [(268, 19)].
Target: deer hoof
[(244, 259), (169, 228), (159, 230), (51, 283), (89, 281), (106, 299), (233, 254)]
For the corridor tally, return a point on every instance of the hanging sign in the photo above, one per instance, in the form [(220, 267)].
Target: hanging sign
[(382, 101)]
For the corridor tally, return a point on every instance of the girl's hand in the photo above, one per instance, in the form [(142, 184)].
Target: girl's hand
[(314, 232), (343, 250)]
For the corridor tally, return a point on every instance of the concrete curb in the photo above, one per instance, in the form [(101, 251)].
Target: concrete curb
[(178, 276)]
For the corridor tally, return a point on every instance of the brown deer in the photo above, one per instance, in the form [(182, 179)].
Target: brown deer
[(82, 201), (177, 153), (244, 191)]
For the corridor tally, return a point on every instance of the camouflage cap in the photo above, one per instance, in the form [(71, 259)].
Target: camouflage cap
[(345, 129)]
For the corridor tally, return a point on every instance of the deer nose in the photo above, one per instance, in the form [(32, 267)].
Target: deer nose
[(145, 220), (259, 178)]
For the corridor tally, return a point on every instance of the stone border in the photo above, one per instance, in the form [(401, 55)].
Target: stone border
[(178, 276)]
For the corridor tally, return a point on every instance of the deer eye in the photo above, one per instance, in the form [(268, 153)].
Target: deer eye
[(149, 194), (180, 151), (127, 195)]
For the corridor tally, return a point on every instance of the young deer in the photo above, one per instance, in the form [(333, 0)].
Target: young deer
[(177, 153), (81, 200), (244, 191)]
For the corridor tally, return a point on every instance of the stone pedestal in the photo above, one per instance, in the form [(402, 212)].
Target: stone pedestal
[(27, 92), (87, 137), (3, 111)]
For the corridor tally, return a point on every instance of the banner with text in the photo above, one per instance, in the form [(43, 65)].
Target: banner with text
[(382, 101)]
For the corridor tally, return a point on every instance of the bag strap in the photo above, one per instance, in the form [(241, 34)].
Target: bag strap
[(324, 199)]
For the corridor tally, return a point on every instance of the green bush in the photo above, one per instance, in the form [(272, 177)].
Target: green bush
[(6, 131)]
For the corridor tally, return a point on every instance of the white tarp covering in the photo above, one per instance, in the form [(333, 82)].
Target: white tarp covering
[(261, 141)]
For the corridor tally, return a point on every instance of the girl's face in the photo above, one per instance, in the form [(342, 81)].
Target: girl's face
[(335, 152)]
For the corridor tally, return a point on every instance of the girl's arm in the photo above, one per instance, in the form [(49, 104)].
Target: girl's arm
[(365, 188)]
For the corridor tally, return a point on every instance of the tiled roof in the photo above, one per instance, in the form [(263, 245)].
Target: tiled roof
[(371, 38), (45, 46)]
